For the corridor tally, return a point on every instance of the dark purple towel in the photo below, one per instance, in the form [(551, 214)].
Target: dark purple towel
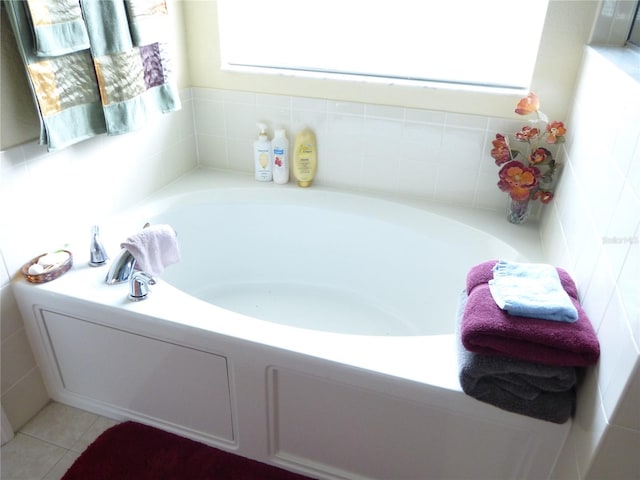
[(483, 272), (488, 330)]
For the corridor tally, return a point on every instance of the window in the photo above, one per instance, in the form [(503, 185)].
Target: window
[(491, 43), (634, 35)]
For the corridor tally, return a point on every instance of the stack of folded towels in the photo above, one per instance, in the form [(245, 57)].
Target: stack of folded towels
[(523, 336)]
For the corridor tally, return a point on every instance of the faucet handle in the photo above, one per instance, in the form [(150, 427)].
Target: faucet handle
[(98, 254), (139, 286)]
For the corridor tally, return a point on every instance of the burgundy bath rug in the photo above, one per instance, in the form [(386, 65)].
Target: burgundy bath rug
[(132, 451)]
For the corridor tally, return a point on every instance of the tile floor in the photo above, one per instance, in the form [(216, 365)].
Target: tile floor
[(50, 442)]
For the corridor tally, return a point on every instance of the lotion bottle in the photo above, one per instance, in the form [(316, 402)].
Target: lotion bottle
[(305, 157), (280, 156), (262, 155)]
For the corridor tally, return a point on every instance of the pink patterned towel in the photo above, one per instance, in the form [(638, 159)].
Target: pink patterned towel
[(488, 330), (154, 248)]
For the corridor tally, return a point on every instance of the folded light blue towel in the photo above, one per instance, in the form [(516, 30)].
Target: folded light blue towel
[(531, 290)]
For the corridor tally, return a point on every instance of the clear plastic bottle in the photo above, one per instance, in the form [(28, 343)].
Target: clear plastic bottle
[(262, 155), (280, 156)]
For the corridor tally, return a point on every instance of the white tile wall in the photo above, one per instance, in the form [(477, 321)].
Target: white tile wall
[(593, 229), (435, 155)]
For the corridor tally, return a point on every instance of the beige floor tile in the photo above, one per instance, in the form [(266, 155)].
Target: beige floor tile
[(60, 468), (60, 424), (28, 458), (99, 426)]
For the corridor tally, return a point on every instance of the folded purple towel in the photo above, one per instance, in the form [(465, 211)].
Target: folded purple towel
[(488, 330), (154, 248), (483, 272)]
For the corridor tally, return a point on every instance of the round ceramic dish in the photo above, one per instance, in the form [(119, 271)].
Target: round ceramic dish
[(47, 275)]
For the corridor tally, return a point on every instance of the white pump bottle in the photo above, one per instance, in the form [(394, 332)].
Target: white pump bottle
[(262, 155)]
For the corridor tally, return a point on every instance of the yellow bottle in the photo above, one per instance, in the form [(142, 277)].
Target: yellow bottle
[(305, 157)]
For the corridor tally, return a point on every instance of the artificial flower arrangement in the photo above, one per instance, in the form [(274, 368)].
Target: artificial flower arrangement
[(527, 173)]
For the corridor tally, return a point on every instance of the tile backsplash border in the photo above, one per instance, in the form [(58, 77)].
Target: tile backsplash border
[(437, 156)]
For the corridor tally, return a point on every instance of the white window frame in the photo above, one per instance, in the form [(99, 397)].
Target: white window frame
[(634, 34), (614, 22), (565, 33)]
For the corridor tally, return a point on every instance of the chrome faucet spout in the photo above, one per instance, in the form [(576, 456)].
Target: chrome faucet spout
[(121, 269)]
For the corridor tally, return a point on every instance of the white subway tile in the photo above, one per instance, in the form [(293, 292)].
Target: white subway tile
[(554, 243), (210, 94), (618, 355), (629, 286), (240, 154), (238, 97), (602, 206), (384, 111), (633, 175), (618, 443), (627, 412), (240, 121), (25, 399), (314, 104), (627, 134), (274, 116), (417, 178), (17, 359), (504, 126), (10, 318), (589, 423), (422, 141), (599, 291), (209, 117), (350, 108), (459, 120), (277, 101), (4, 273), (462, 150), (585, 255), (382, 138), (425, 116), (178, 159), (212, 151), (344, 125), (316, 120), (621, 234), (454, 185), (339, 168), (379, 173), (487, 193)]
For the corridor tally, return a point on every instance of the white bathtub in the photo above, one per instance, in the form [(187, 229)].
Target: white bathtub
[(306, 328)]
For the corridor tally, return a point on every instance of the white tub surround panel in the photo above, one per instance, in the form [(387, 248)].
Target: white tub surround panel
[(593, 229)]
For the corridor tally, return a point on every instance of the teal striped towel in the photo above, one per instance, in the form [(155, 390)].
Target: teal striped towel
[(531, 290)]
